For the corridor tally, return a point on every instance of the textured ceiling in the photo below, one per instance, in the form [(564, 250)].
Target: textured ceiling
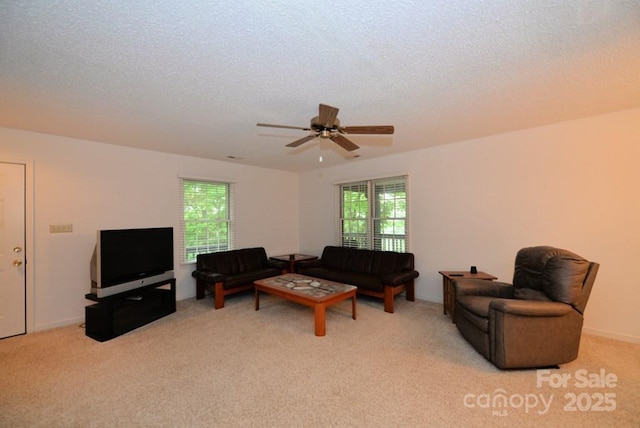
[(194, 77)]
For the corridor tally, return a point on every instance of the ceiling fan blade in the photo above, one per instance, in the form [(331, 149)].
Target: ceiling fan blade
[(268, 125), (343, 142), (302, 141), (328, 115), (367, 129)]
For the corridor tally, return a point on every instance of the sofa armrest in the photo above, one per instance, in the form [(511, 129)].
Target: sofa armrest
[(305, 264), (199, 273), (208, 276), (277, 264), (482, 287), (399, 278), (531, 308)]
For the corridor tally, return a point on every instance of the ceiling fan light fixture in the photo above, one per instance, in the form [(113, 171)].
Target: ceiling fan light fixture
[(325, 133)]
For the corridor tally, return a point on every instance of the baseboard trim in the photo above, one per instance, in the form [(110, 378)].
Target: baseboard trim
[(64, 323), (611, 335), (432, 299)]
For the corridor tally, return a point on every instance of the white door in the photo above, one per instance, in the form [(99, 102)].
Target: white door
[(12, 250)]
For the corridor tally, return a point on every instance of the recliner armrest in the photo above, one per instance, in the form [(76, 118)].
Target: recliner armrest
[(531, 308), (482, 287)]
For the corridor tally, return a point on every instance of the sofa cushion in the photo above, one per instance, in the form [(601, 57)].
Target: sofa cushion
[(361, 280), (377, 273), (366, 269), (372, 262), (245, 278), (252, 259), (224, 263), (236, 268), (385, 262), (228, 272), (360, 261), (335, 257), (233, 261)]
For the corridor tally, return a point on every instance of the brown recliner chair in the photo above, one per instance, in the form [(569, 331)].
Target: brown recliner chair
[(537, 320)]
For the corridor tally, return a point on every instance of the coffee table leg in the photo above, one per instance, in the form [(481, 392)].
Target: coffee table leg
[(257, 294), (445, 295), (353, 307), (320, 315)]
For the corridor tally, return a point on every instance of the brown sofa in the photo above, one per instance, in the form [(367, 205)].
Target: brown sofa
[(228, 272), (537, 320), (382, 274)]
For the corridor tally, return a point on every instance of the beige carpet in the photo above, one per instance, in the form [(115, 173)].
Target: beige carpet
[(238, 367)]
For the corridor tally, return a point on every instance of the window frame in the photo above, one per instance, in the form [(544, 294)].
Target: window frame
[(211, 245), (365, 230)]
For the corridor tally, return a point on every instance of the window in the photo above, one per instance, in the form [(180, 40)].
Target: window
[(373, 214), (207, 218)]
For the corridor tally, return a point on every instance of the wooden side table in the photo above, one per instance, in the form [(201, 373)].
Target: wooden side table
[(449, 293), (293, 259)]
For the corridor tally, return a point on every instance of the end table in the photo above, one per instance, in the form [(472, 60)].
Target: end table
[(293, 259), (449, 293)]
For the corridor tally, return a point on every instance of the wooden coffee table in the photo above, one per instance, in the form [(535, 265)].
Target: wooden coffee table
[(314, 292)]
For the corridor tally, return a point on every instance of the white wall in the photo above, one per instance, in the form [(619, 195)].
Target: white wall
[(477, 202), (100, 186), (573, 185)]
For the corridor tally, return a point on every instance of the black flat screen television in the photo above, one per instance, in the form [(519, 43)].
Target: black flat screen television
[(126, 259)]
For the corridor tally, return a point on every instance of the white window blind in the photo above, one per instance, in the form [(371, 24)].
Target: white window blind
[(207, 218), (373, 214), (353, 218)]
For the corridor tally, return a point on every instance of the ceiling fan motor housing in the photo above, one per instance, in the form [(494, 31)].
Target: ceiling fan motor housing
[(324, 127)]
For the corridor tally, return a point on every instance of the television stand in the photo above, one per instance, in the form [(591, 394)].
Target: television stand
[(112, 316)]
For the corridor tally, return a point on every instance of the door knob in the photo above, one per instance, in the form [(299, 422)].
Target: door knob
[(17, 249), (17, 262)]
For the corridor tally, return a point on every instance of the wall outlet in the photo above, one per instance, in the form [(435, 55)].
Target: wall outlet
[(61, 228)]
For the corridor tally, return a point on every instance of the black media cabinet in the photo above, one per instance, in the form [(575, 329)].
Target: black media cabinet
[(114, 315)]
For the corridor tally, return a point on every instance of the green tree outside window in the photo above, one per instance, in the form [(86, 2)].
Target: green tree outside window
[(207, 219)]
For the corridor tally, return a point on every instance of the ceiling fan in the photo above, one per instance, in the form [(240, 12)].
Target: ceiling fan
[(327, 125)]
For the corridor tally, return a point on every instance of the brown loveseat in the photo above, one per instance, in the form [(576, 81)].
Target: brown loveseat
[(229, 272), (382, 274), (537, 320)]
